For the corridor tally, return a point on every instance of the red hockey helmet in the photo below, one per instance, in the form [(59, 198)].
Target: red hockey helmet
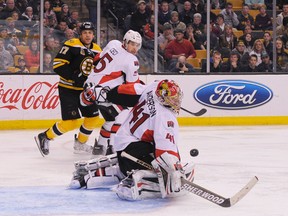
[(169, 94)]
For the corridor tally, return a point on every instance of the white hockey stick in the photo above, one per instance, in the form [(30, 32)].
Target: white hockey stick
[(203, 192)]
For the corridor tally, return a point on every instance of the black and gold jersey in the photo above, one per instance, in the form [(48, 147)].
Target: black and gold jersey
[(74, 62)]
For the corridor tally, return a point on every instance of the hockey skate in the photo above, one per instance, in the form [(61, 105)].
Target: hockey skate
[(80, 148), (43, 143), (98, 149)]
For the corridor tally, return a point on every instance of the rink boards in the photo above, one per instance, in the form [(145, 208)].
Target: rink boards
[(32, 101)]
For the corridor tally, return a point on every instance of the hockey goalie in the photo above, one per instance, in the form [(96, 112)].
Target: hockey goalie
[(149, 136)]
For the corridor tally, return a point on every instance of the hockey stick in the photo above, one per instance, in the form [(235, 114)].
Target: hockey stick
[(201, 191), (199, 113)]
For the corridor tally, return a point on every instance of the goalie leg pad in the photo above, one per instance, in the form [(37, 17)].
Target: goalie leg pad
[(103, 177), (142, 185)]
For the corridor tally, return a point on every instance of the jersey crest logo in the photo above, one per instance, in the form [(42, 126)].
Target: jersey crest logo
[(136, 63), (113, 51), (170, 124)]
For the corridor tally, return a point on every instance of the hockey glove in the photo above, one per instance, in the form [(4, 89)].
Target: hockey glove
[(169, 172)]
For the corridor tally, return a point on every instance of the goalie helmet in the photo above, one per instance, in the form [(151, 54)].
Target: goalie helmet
[(169, 94), (133, 36)]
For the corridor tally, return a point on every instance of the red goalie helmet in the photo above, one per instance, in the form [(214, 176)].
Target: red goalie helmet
[(169, 94)]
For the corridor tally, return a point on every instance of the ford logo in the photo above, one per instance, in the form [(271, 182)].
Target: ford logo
[(233, 94)]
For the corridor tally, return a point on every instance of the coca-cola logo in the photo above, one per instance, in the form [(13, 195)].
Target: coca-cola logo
[(40, 95), (233, 94)]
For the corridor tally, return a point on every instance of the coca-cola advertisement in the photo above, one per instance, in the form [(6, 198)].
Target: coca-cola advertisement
[(29, 97)]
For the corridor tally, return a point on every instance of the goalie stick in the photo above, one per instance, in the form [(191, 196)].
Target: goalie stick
[(201, 191), (199, 113)]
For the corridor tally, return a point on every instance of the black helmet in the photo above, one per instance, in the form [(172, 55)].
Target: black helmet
[(87, 26)]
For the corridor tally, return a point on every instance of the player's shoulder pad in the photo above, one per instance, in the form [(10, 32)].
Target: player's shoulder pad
[(73, 42), (96, 48)]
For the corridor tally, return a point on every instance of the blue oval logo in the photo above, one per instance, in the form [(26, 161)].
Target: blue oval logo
[(233, 94)]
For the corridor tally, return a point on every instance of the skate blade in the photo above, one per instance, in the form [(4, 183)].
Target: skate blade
[(38, 145)]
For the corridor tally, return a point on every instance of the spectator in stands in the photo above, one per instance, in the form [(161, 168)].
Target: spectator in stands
[(218, 4), (64, 14), (148, 29), (32, 55), (21, 5), (175, 22), (254, 4), (10, 24), (2, 4), (284, 13), (227, 41), (49, 15), (230, 17), (165, 37), (245, 18), (213, 16), (59, 31), (6, 59), (215, 63), (164, 14), (263, 20), (179, 47), (282, 54), (252, 64), (197, 6), (198, 26), (57, 46), (69, 34), (18, 24), (268, 43), (214, 40), (73, 20), (181, 66), (282, 30), (186, 16), (56, 5), (258, 48), (247, 30), (8, 9), (189, 35), (4, 35), (49, 46), (233, 63), (241, 50), (266, 64), (141, 17), (103, 38), (21, 67), (219, 26), (47, 63), (175, 5), (248, 41), (92, 9), (29, 18), (36, 7)]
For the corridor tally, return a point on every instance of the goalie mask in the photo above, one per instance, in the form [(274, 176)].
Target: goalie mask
[(169, 95)]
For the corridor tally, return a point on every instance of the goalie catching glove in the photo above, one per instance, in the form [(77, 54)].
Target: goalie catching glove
[(93, 94), (169, 172)]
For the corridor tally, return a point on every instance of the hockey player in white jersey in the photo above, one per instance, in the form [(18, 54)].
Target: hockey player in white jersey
[(115, 65), (150, 134)]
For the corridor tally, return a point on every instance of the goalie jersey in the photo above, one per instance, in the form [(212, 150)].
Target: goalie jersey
[(150, 121), (114, 66), (74, 62)]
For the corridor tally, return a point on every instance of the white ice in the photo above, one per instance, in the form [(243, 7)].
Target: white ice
[(229, 157)]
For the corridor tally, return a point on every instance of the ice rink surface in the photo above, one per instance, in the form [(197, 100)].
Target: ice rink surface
[(31, 185)]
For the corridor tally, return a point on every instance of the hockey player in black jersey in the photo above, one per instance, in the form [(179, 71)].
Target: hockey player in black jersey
[(73, 63)]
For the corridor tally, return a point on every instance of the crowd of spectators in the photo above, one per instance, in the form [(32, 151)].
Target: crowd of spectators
[(240, 41), (240, 37), (20, 33)]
